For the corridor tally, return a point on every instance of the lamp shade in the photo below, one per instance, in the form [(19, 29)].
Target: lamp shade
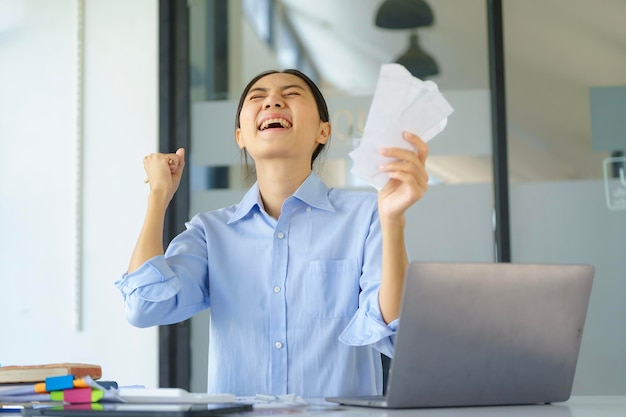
[(418, 62), (404, 14)]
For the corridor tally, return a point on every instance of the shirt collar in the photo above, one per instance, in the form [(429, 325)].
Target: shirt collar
[(312, 191)]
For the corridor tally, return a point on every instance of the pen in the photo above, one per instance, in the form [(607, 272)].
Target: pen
[(17, 407), (11, 408)]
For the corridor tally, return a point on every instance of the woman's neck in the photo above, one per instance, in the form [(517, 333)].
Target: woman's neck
[(277, 182)]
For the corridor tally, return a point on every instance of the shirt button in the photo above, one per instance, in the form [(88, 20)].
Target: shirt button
[(280, 235), (308, 209), (277, 289), (278, 345)]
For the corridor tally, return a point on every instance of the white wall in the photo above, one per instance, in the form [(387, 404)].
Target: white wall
[(38, 110)]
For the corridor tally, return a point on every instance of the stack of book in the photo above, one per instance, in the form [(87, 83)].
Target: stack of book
[(38, 373), (63, 383)]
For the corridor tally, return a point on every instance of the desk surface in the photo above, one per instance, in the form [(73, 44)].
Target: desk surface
[(582, 406)]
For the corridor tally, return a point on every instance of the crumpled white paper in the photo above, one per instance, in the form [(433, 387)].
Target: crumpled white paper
[(401, 102)]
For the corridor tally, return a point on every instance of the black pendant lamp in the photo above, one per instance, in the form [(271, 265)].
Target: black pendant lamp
[(418, 62), (409, 14), (404, 14)]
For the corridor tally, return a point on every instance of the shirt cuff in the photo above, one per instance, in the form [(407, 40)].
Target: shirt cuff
[(153, 281), (368, 328)]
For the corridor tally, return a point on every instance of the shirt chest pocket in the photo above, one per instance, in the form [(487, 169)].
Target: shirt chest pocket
[(332, 288)]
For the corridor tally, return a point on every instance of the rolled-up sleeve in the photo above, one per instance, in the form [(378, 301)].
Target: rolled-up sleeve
[(153, 281), (169, 288), (367, 326)]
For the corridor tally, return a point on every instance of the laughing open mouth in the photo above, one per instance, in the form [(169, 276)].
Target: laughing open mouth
[(276, 123)]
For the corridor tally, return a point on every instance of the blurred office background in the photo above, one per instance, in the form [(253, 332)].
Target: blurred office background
[(79, 108)]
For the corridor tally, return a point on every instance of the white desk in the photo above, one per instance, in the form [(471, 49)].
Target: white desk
[(591, 406), (588, 406)]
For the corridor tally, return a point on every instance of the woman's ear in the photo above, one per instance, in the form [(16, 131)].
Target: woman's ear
[(239, 139), (324, 134)]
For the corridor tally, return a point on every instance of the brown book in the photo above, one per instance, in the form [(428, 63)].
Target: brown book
[(38, 373)]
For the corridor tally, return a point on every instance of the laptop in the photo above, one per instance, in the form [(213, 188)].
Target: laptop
[(479, 334)]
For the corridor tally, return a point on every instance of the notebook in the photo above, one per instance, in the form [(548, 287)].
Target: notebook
[(482, 334)]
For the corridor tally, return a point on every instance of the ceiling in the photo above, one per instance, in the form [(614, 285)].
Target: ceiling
[(555, 50)]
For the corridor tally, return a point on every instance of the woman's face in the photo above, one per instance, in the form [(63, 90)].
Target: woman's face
[(279, 119)]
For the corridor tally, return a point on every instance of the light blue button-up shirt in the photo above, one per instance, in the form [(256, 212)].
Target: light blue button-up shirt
[(294, 301)]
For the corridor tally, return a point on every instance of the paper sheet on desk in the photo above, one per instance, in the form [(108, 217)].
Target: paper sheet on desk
[(274, 401), (401, 102)]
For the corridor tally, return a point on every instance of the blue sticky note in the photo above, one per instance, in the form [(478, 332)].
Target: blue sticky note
[(58, 383)]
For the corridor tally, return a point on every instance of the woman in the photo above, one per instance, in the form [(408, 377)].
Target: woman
[(304, 282)]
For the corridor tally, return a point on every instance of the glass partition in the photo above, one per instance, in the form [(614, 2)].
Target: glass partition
[(341, 46), (565, 90), (566, 101)]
